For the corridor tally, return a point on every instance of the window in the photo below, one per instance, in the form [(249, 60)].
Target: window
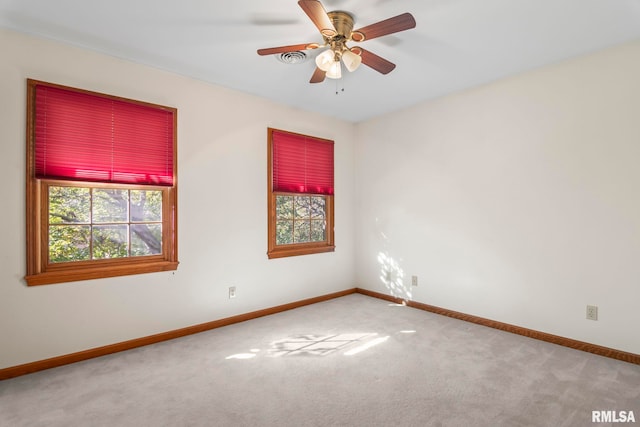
[(101, 187), (90, 223), (300, 219), (300, 199)]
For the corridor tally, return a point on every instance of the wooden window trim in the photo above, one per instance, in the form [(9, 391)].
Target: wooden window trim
[(294, 249), (39, 270)]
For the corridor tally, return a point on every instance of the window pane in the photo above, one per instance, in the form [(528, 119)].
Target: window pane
[(317, 230), (146, 239), (284, 207), (284, 232), (73, 205), (303, 205), (69, 243), (317, 209), (110, 205), (302, 231), (146, 206), (305, 219), (110, 241), (69, 205)]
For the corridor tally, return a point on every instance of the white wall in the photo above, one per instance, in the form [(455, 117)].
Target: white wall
[(222, 211), (518, 201)]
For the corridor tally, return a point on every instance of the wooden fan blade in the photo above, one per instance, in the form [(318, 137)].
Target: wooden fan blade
[(317, 13), (318, 76), (282, 49), (376, 62), (383, 28)]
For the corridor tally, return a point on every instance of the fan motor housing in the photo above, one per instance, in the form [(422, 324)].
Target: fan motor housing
[(342, 22)]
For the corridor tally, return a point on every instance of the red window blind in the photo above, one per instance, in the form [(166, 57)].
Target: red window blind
[(88, 137), (301, 164)]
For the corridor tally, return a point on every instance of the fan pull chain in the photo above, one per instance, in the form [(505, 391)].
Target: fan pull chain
[(341, 90)]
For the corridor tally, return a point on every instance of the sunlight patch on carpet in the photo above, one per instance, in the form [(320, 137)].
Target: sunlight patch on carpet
[(317, 345)]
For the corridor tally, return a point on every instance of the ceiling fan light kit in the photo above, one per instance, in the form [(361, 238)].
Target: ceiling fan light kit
[(336, 29), (335, 71), (351, 60), (325, 59)]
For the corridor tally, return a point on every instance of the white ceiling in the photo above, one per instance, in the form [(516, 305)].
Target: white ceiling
[(456, 44)]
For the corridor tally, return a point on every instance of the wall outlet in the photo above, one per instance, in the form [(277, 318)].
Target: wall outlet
[(414, 280), (232, 292), (592, 312)]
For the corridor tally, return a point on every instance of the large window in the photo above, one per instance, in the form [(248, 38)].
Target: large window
[(301, 192), (101, 185)]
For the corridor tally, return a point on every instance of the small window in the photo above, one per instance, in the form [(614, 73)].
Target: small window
[(300, 194), (101, 190), (300, 219)]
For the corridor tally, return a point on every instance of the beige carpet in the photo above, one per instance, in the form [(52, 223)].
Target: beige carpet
[(352, 361)]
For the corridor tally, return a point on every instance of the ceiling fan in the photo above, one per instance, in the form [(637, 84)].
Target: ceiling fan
[(337, 30)]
